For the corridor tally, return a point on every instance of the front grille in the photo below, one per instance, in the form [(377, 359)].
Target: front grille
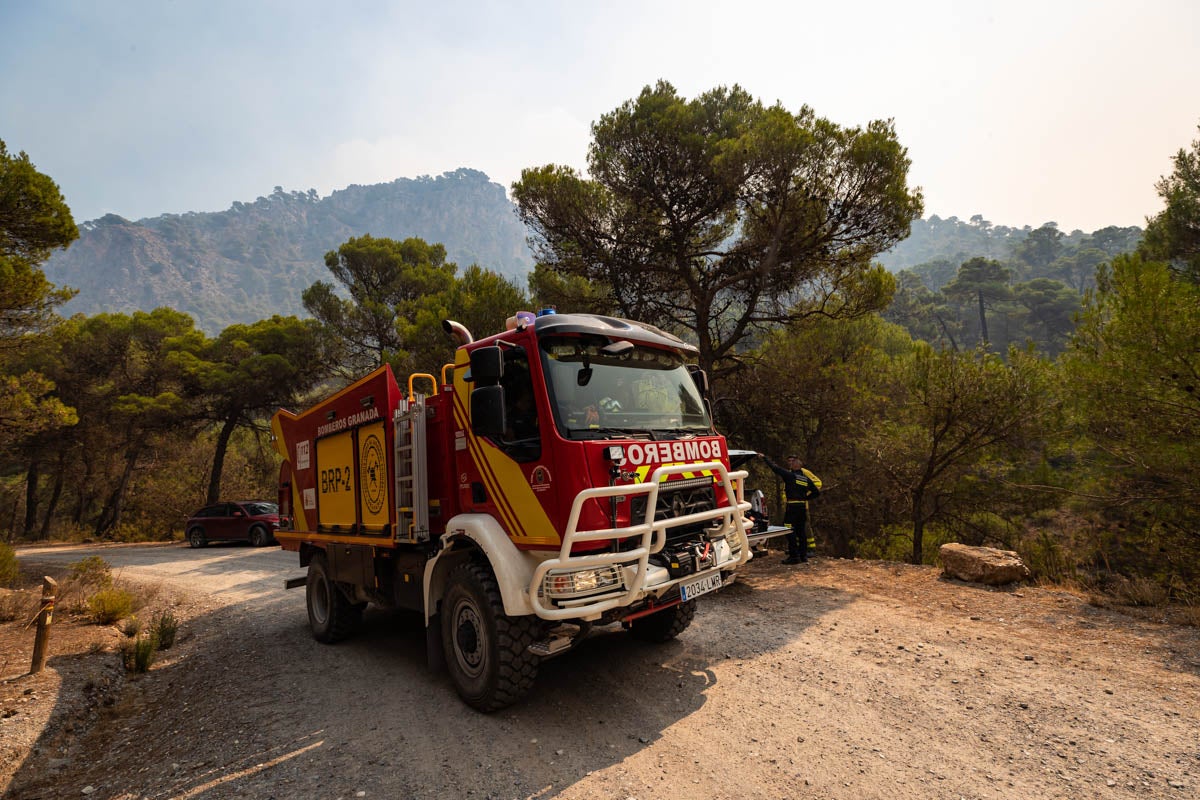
[(678, 499)]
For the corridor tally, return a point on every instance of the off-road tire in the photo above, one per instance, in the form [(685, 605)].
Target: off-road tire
[(331, 615), (664, 625), (259, 536), (196, 537), (487, 652)]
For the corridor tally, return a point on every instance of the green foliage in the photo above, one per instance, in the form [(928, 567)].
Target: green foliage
[(1174, 234), (1050, 307), (132, 627), (163, 629), (246, 373), (110, 605), (718, 215), (947, 412), (1041, 247), (480, 300), (34, 219), (10, 569), (816, 388), (1134, 370), (138, 654), (982, 283), (1038, 281), (386, 281), (569, 292)]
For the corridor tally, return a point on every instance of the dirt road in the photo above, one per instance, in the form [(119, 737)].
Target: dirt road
[(839, 680)]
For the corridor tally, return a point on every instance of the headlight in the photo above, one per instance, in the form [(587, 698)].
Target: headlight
[(575, 583)]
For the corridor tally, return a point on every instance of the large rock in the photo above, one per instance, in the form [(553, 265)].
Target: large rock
[(982, 564)]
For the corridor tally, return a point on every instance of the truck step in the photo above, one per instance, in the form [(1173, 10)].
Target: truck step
[(294, 583), (558, 641)]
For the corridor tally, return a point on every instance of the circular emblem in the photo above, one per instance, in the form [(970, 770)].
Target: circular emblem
[(372, 473)]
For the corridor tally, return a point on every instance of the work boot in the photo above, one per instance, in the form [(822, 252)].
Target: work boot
[(795, 560)]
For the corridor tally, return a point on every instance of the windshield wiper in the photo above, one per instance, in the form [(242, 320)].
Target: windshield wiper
[(689, 432), (610, 433)]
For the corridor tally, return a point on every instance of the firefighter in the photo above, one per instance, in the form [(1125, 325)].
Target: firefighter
[(800, 485)]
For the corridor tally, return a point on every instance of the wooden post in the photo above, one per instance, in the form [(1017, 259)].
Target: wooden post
[(41, 643)]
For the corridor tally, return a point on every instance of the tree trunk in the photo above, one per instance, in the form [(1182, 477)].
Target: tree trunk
[(983, 332), (918, 534), (110, 515), (84, 492), (32, 478), (55, 494), (214, 481)]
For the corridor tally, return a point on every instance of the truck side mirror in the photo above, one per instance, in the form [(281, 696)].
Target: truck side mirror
[(487, 410), (487, 366), (700, 378)]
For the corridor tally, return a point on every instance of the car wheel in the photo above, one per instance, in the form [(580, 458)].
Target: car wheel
[(487, 652), (665, 625), (259, 536), (331, 615), (196, 537)]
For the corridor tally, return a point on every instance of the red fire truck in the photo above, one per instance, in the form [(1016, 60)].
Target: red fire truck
[(561, 474)]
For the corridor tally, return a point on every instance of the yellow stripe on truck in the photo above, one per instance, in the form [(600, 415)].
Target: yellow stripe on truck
[(506, 484)]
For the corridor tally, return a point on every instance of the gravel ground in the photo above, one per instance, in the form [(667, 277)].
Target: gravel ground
[(842, 679)]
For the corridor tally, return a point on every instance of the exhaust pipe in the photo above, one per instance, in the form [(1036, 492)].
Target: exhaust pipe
[(458, 331)]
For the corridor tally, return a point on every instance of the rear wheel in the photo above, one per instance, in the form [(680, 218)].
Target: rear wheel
[(331, 615), (259, 536), (664, 625), (487, 652), (196, 537)]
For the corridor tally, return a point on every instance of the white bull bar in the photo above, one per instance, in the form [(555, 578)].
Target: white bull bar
[(634, 564)]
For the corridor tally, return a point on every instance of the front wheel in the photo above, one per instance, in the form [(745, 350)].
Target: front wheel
[(664, 625), (487, 652), (331, 615), (196, 537)]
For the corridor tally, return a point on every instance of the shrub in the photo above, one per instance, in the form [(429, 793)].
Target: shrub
[(109, 605), (92, 571), (10, 571), (18, 605), (132, 627), (1139, 592), (164, 629), (138, 654)]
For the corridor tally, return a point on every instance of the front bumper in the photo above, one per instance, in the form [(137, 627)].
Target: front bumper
[(640, 578)]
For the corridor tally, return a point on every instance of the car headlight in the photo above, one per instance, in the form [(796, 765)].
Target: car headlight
[(561, 583)]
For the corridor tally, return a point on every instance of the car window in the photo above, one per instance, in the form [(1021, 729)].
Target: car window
[(259, 509), (211, 511)]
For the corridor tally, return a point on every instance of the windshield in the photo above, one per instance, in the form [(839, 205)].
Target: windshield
[(606, 390)]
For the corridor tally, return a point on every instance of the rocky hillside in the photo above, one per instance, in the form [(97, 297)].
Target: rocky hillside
[(255, 259)]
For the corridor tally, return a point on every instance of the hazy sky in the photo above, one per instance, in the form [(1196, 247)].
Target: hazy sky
[(1025, 112)]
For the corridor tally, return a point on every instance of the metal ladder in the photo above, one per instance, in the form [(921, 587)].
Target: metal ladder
[(412, 471)]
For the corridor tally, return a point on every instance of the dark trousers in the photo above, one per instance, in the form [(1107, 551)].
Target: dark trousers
[(797, 540)]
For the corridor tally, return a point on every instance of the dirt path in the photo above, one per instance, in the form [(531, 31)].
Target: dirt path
[(839, 680)]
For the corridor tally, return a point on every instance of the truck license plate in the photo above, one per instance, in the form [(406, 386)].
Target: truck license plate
[(708, 583)]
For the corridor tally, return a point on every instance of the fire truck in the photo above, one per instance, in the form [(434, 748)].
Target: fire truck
[(562, 474)]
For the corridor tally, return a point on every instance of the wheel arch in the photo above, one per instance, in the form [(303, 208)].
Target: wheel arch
[(480, 536)]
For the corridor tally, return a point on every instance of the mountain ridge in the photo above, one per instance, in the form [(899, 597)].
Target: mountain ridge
[(255, 259)]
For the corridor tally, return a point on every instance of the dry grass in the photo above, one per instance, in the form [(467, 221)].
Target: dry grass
[(18, 605)]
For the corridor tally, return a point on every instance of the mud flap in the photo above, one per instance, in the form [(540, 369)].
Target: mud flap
[(435, 656)]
